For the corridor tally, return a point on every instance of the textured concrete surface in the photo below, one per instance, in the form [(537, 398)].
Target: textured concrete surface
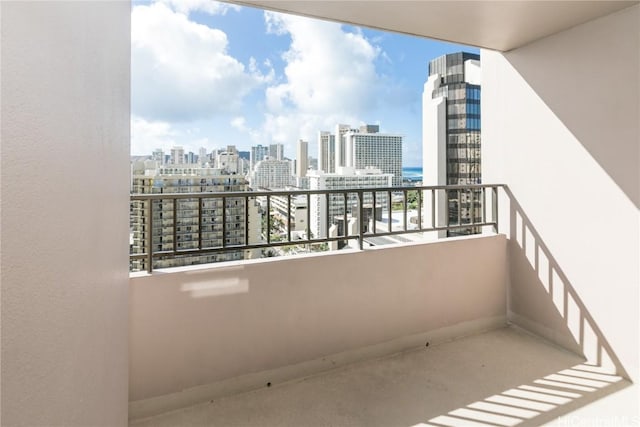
[(200, 325), (496, 378)]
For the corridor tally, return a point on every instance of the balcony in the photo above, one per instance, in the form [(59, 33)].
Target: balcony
[(548, 304), (425, 324)]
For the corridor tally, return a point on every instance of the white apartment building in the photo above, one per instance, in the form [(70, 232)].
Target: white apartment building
[(301, 182), (229, 160), (203, 158), (276, 151), (177, 156), (295, 211), (302, 158), (326, 152), (187, 233), (340, 150), (258, 153), (346, 178), (372, 149), (360, 148), (270, 173), (158, 155)]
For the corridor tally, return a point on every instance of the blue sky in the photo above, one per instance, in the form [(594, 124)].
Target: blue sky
[(208, 74)]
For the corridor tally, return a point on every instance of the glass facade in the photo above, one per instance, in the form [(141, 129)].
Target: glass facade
[(463, 135)]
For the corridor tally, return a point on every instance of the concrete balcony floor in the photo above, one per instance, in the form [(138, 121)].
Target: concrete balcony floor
[(503, 377)]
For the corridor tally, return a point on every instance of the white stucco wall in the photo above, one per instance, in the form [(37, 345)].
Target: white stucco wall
[(64, 198), (434, 153), (472, 72), (208, 324), (434, 135), (560, 127)]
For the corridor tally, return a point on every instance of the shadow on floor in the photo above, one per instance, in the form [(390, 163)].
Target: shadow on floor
[(502, 377)]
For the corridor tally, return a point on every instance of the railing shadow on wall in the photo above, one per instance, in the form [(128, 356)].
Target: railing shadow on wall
[(558, 291), (548, 291)]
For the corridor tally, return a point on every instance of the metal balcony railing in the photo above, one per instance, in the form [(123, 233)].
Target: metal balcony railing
[(456, 209)]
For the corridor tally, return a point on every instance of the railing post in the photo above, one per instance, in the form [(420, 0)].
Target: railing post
[(373, 213), (150, 239), (484, 204), (199, 222), (344, 219), (327, 210), (495, 207), (175, 225), (309, 217), (389, 206), (405, 208), (433, 208), (459, 195), (289, 217), (446, 196), (472, 206), (419, 200), (268, 219), (246, 220), (361, 219), (224, 221)]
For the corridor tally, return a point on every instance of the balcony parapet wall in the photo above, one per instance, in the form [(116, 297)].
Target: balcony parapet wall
[(201, 332)]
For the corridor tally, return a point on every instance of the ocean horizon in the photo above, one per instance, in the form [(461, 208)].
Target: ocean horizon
[(412, 173)]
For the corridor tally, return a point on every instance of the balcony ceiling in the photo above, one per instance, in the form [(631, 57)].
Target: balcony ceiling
[(497, 25)]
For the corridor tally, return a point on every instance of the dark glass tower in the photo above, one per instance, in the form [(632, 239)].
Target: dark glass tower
[(455, 79)]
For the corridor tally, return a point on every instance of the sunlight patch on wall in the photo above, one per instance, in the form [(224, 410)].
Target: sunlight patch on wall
[(227, 282)]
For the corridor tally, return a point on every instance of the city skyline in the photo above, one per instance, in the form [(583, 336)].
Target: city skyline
[(256, 77)]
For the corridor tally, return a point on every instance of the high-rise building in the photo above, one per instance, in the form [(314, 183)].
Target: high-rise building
[(340, 151), (302, 158), (451, 136), (270, 173), (187, 235), (326, 152), (202, 156), (313, 163), (366, 147), (191, 157), (360, 148), (158, 155), (229, 160), (346, 178), (276, 151), (177, 156), (257, 154)]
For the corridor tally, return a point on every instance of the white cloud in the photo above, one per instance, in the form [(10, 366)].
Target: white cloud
[(181, 70), (328, 70), (330, 78), (207, 6), (240, 123), (146, 136)]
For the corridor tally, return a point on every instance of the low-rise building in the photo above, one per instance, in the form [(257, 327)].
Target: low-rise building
[(346, 178)]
